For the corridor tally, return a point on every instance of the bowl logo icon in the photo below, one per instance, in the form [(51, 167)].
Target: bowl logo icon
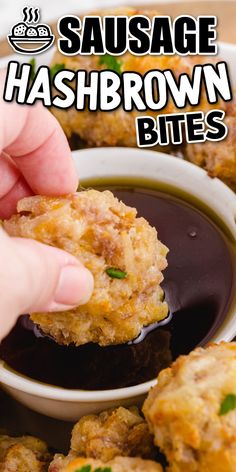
[(29, 36)]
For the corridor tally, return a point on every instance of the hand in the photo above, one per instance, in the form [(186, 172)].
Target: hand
[(35, 159)]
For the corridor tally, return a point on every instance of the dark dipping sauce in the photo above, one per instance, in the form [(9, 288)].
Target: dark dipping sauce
[(198, 287)]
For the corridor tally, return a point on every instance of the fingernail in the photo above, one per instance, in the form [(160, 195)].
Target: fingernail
[(75, 286)]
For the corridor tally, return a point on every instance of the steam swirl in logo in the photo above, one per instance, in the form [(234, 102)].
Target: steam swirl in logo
[(31, 15)]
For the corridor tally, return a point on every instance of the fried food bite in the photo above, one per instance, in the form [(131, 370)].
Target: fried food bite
[(24, 454), (192, 411), (218, 158), (116, 128), (121, 250), (118, 439), (117, 432), (118, 464)]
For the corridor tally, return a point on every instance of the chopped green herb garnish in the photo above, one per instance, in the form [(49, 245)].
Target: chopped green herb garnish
[(111, 62), (103, 469), (116, 273), (84, 468), (32, 62), (88, 468), (56, 68), (228, 404)]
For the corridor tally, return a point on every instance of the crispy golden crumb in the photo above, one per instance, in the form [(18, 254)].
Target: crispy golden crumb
[(118, 464), (218, 158), (116, 128), (102, 232), (183, 411), (24, 454), (117, 432)]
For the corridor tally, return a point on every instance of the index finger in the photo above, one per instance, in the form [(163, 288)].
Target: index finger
[(35, 141)]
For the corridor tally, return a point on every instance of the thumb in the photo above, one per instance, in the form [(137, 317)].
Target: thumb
[(37, 277)]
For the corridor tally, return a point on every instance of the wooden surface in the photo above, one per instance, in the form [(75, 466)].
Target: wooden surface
[(225, 10)]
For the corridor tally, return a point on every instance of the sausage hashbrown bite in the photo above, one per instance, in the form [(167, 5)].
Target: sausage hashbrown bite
[(117, 440), (116, 128), (122, 252), (24, 454), (192, 410), (218, 158), (118, 464), (117, 432)]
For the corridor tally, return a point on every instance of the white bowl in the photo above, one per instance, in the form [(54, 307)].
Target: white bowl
[(122, 162)]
